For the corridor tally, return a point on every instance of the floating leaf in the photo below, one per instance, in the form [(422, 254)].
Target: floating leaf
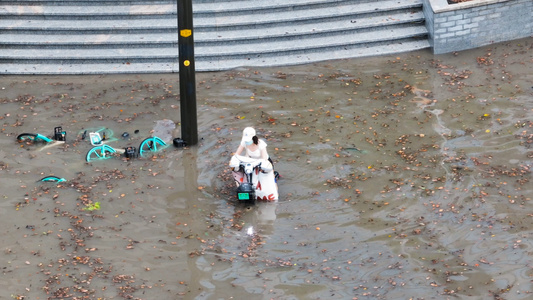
[(94, 206)]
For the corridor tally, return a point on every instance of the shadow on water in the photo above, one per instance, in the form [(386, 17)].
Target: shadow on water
[(404, 176)]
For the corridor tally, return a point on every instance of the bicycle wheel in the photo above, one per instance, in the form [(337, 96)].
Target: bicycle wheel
[(26, 137), (100, 152), (151, 144), (52, 179)]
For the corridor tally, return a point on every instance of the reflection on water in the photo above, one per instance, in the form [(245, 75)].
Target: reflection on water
[(402, 177)]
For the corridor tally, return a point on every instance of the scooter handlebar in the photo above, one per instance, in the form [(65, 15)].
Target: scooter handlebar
[(237, 160)]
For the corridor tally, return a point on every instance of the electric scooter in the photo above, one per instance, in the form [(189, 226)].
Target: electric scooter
[(255, 179)]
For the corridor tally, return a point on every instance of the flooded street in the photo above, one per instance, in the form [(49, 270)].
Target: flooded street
[(402, 177)]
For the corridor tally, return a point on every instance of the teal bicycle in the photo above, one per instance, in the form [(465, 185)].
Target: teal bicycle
[(33, 137), (59, 135), (104, 151), (52, 178)]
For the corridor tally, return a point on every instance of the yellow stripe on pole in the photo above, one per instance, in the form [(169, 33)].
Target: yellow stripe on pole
[(185, 32)]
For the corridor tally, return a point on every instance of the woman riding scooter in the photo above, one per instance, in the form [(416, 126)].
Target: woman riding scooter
[(255, 149)]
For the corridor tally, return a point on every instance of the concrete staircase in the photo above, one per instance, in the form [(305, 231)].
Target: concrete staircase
[(140, 36)]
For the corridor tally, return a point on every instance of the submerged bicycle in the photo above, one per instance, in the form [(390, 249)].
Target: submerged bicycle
[(52, 178), (104, 151), (59, 135)]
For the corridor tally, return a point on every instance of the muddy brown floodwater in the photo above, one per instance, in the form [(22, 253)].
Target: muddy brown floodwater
[(403, 177)]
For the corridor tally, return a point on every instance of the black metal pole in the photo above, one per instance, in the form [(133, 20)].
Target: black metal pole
[(189, 125)]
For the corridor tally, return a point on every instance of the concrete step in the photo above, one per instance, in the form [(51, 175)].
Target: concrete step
[(273, 47), (211, 65)]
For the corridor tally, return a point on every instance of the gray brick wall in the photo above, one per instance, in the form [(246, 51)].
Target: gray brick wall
[(472, 24)]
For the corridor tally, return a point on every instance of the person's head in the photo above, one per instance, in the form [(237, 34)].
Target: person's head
[(248, 136)]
